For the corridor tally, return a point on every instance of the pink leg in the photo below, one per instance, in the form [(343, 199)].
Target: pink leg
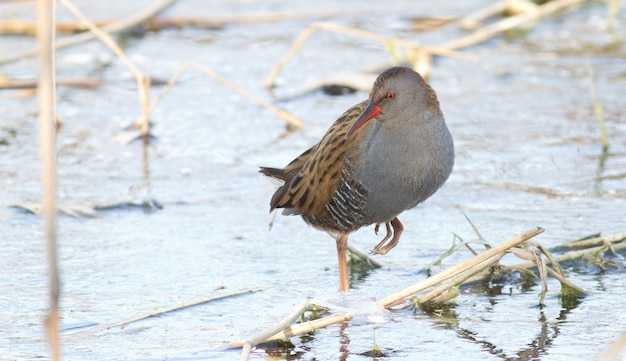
[(381, 248), (342, 245), (381, 243)]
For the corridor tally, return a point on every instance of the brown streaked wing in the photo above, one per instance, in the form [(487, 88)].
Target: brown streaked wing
[(312, 178), (292, 168)]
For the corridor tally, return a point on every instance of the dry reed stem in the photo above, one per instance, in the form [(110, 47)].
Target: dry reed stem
[(85, 83), (386, 302), (142, 82), (536, 262), (609, 243), (472, 21), (291, 120), (511, 7), (572, 255), (460, 268), (598, 109), (249, 343), (47, 114), (310, 326), (270, 82), (511, 22), (597, 241), (116, 27), (28, 27), (160, 312), (459, 279)]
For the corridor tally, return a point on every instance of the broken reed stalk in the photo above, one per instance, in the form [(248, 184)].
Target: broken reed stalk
[(572, 255), (160, 312), (388, 301), (459, 279), (509, 23), (293, 122), (47, 114), (142, 83), (115, 27), (271, 79), (593, 246), (460, 268)]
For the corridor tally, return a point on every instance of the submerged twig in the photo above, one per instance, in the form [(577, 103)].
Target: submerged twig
[(372, 263), (160, 312)]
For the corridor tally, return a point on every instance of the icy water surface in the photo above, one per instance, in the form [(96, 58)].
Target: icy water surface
[(528, 154)]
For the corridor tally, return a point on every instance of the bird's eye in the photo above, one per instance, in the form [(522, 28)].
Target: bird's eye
[(390, 95)]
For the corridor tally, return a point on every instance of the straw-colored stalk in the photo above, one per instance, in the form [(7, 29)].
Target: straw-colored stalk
[(614, 6), (114, 27), (248, 344), (596, 241), (293, 122), (472, 21), (142, 82), (387, 41), (598, 109), (489, 31), (47, 110), (15, 26)]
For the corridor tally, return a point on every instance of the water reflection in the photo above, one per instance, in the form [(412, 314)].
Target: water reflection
[(547, 332), (597, 184), (344, 341)]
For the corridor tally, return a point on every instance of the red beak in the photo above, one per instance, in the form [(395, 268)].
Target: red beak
[(372, 111)]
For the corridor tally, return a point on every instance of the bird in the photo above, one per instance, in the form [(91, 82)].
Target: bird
[(381, 157)]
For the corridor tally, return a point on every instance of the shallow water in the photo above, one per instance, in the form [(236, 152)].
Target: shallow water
[(528, 154)]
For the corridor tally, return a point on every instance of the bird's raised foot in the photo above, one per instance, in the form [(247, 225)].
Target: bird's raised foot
[(381, 247)]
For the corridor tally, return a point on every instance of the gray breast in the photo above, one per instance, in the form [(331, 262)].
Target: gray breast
[(403, 169)]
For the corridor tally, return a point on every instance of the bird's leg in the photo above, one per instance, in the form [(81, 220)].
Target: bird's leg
[(382, 248), (342, 245), (388, 230), (381, 243)]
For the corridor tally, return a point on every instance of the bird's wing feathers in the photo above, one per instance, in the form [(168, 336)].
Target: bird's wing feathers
[(313, 177)]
